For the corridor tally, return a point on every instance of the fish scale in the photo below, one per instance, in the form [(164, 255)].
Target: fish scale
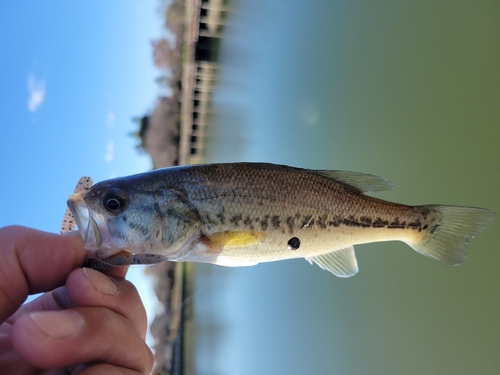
[(240, 214), (318, 232)]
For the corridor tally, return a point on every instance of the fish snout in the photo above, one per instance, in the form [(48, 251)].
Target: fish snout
[(87, 225), (80, 212)]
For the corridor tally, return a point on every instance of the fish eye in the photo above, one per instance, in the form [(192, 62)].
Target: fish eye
[(114, 201)]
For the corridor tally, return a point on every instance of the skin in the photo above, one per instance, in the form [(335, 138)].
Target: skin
[(86, 322)]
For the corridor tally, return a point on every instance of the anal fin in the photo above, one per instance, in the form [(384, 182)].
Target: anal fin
[(341, 263)]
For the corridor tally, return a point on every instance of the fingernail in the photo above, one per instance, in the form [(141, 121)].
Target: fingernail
[(101, 282), (58, 324)]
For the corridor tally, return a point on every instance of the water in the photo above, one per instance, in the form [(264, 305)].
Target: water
[(405, 90)]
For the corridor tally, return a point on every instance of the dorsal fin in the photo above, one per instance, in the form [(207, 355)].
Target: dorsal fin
[(362, 181), (341, 263)]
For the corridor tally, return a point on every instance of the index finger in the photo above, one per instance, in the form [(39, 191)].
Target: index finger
[(34, 262)]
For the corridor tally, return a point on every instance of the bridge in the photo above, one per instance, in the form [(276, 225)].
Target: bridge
[(204, 27)]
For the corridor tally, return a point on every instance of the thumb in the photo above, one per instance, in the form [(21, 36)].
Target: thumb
[(34, 262)]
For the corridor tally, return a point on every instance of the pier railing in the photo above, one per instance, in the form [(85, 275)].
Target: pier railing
[(204, 26)]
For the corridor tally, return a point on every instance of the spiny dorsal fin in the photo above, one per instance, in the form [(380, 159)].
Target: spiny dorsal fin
[(68, 221), (341, 263), (362, 181)]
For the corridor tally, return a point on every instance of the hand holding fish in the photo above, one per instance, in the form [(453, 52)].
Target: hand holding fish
[(76, 324)]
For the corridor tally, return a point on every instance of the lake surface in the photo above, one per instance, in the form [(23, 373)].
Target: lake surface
[(406, 90)]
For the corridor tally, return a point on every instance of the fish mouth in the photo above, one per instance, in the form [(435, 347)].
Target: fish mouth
[(92, 226)]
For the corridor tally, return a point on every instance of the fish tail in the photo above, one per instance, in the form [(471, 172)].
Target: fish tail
[(446, 238)]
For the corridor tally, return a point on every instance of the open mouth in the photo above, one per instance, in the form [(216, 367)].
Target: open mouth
[(80, 212), (87, 225)]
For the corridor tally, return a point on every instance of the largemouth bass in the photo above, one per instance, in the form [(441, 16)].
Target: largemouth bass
[(241, 214)]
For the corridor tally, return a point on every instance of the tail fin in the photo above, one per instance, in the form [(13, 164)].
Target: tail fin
[(447, 237)]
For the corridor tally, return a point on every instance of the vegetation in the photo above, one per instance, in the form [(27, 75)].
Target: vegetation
[(163, 123)]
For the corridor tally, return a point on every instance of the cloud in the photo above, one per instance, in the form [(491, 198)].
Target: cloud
[(111, 119), (110, 152), (36, 89)]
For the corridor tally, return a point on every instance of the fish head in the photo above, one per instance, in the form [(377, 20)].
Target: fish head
[(113, 216)]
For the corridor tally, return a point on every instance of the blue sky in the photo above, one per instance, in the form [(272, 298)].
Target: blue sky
[(73, 74), (404, 90)]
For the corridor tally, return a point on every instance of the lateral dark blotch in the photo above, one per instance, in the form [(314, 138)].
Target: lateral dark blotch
[(334, 222), (396, 224), (322, 221), (264, 222), (366, 220), (248, 222), (275, 221), (415, 225), (222, 218), (379, 223), (290, 221), (236, 219), (307, 221), (424, 212), (352, 222)]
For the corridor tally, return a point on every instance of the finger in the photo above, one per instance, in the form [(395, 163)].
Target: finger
[(91, 335), (105, 369), (119, 272), (87, 287), (33, 262)]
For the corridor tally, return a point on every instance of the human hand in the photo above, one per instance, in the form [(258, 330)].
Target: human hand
[(86, 322)]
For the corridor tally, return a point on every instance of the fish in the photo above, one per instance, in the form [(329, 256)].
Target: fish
[(242, 214)]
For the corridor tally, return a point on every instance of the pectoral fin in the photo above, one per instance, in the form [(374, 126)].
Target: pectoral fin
[(341, 263)]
